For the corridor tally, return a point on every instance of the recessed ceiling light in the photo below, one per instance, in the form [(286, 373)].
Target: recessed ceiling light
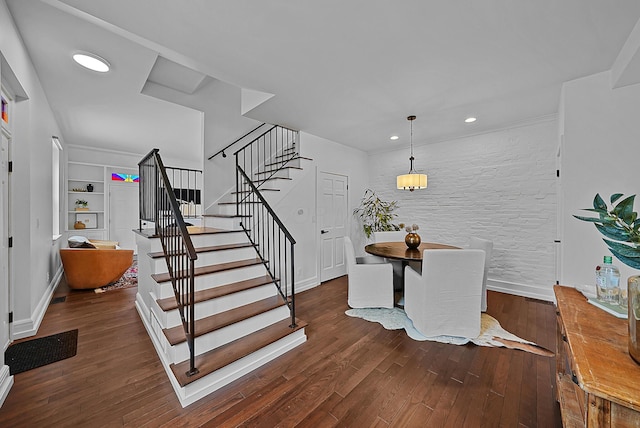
[(470, 120), (394, 137), (91, 61)]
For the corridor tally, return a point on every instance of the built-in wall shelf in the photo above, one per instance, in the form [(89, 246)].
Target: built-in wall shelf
[(82, 177)]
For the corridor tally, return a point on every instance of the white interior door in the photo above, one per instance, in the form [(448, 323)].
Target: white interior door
[(123, 213), (332, 221)]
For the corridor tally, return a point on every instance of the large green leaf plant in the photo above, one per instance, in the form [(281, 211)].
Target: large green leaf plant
[(376, 215), (620, 226)]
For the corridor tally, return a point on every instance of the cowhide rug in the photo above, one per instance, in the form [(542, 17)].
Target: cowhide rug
[(491, 332)]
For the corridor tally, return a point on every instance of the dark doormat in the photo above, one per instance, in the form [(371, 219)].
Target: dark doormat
[(33, 353)]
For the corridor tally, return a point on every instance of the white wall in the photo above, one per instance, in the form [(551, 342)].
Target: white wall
[(222, 124), (498, 186), (599, 155), (36, 266), (298, 208), (121, 159)]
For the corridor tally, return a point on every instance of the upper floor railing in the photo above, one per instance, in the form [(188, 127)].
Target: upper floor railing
[(186, 185)]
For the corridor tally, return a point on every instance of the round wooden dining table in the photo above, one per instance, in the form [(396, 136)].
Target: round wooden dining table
[(400, 251)]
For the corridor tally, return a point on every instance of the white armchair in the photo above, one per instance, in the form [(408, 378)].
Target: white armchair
[(445, 299), (370, 280), (487, 247)]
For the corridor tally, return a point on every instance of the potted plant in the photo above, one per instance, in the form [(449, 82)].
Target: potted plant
[(620, 224), (82, 205), (376, 215), (621, 227)]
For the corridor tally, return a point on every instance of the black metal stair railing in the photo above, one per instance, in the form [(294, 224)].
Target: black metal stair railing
[(186, 184), (256, 163), (272, 240), (268, 154), (158, 203)]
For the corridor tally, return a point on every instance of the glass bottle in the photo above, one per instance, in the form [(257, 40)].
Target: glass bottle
[(634, 317), (608, 282)]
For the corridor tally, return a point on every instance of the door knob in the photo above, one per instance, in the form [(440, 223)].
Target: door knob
[(324, 231)]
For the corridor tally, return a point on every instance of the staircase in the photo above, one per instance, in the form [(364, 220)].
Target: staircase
[(273, 182), (242, 299)]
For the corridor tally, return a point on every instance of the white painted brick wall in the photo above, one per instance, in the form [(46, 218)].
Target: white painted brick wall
[(499, 186)]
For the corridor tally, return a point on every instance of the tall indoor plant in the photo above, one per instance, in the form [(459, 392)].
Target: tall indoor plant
[(621, 227), (375, 214)]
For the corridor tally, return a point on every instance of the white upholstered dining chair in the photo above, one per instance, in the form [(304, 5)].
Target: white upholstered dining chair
[(393, 236), (445, 298), (370, 280), (487, 247)]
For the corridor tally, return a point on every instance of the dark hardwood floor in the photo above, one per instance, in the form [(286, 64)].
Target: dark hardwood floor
[(349, 373)]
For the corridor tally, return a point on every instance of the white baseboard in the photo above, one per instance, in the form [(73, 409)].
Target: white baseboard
[(307, 284), (29, 326), (524, 290), (534, 292), (6, 382)]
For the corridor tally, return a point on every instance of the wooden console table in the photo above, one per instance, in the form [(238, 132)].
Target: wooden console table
[(598, 384)]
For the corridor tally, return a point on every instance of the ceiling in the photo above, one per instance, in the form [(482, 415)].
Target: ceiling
[(348, 71)]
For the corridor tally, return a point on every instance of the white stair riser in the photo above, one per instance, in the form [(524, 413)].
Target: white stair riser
[(226, 209), (222, 304), (237, 237), (208, 384), (228, 334), (223, 222), (203, 282), (210, 258), (202, 240), (293, 163), (284, 173)]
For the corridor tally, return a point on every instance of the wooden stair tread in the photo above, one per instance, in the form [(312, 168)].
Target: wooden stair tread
[(170, 303), (215, 322), (198, 230), (204, 270), (269, 171), (243, 202), (193, 230), (208, 249), (288, 160), (226, 215), (251, 191), (283, 162), (220, 357), (272, 178), (287, 153)]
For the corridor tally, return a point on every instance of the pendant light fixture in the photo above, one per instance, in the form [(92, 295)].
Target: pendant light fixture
[(412, 180)]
